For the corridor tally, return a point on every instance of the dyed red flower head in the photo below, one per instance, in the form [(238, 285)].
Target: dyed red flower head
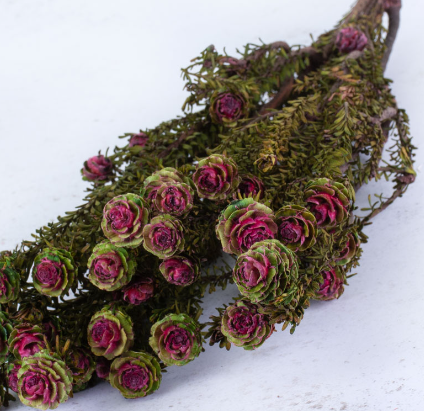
[(227, 107), (216, 177), (164, 236), (250, 186), (139, 139), (110, 333), (244, 223), (97, 168), (139, 291), (244, 326), (332, 285), (179, 270), (26, 340), (329, 201), (350, 39)]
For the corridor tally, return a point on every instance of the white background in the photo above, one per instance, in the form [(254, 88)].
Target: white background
[(75, 74)]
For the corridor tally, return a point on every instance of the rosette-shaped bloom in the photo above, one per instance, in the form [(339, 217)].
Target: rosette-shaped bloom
[(176, 339), (6, 329), (97, 168), (350, 39), (297, 227), (53, 272), (328, 201), (26, 340), (264, 273), (349, 250), (174, 198), (164, 236), (139, 291), (216, 177), (331, 286), (250, 186), (244, 223), (110, 267), (244, 326), (179, 270), (110, 333), (12, 376), (135, 374), (226, 108), (124, 218), (166, 175), (44, 381), (82, 366), (103, 368), (139, 139), (10, 282)]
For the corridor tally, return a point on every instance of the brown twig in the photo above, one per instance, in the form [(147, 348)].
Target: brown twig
[(394, 21), (178, 142), (280, 97)]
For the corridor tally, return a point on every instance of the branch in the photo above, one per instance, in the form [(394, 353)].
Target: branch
[(178, 142), (394, 19), (280, 97)]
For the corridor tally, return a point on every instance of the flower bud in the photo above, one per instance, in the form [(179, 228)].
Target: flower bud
[(110, 267), (6, 329), (139, 291), (26, 340), (216, 177), (348, 247), (226, 108), (331, 286), (139, 139), (176, 339), (350, 39), (124, 218), (110, 333), (329, 201), (244, 326), (44, 381), (174, 198), (264, 273), (250, 186), (10, 281), (135, 374), (165, 175), (12, 376), (82, 366), (179, 270), (297, 227), (103, 368), (53, 272), (97, 168), (244, 223), (164, 236)]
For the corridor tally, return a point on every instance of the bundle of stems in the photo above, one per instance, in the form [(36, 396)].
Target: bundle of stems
[(263, 165)]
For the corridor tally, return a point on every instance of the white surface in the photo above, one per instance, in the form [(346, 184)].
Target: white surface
[(76, 74)]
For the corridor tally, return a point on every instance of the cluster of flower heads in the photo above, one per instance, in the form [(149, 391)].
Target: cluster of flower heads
[(269, 247)]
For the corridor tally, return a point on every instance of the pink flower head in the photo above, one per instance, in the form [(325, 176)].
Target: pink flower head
[(216, 177), (139, 292), (244, 223), (329, 201), (97, 168), (139, 139), (332, 285), (26, 340), (179, 270), (251, 186), (13, 377), (350, 39)]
